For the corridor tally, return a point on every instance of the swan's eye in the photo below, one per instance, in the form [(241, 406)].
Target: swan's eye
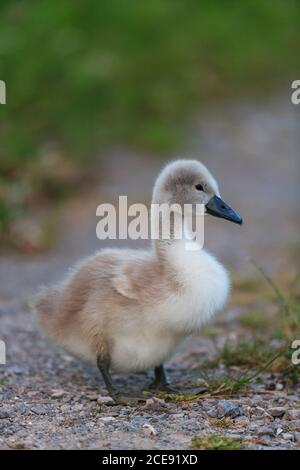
[(199, 187)]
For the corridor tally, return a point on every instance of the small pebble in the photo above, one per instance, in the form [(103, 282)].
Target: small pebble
[(226, 408), (277, 412), (38, 410), (92, 396), (297, 436), (107, 419), (57, 393), (279, 386), (149, 429), (288, 436), (104, 400)]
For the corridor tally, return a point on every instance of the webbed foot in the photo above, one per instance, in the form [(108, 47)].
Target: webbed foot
[(160, 383), (162, 387)]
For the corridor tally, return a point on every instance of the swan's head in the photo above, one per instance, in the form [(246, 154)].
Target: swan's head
[(190, 182)]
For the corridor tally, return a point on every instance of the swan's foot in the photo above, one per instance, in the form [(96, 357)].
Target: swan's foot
[(162, 387), (160, 383), (118, 397)]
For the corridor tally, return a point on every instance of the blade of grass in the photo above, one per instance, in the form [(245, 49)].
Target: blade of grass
[(250, 378), (286, 304)]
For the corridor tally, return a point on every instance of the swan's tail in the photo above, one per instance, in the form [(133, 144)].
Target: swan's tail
[(45, 306)]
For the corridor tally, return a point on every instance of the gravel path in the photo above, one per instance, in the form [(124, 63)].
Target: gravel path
[(50, 400)]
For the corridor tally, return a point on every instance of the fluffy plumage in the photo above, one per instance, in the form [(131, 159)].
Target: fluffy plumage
[(135, 306)]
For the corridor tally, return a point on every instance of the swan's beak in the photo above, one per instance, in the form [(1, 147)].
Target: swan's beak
[(217, 207)]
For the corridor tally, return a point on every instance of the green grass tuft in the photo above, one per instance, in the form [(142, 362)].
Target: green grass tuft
[(216, 442)]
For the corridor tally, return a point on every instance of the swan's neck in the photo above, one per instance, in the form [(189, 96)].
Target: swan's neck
[(172, 240)]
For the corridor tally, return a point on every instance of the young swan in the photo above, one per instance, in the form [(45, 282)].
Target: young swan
[(128, 309)]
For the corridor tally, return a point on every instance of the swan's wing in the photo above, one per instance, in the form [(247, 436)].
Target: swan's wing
[(124, 285), (134, 277)]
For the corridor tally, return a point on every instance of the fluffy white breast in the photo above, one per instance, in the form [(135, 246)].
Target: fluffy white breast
[(205, 288), (151, 341)]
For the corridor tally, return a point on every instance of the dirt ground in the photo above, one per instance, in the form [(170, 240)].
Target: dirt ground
[(50, 400)]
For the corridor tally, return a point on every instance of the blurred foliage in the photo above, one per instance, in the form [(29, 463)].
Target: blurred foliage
[(90, 73)]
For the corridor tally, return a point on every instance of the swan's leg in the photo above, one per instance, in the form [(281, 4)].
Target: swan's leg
[(118, 397), (103, 366), (160, 382)]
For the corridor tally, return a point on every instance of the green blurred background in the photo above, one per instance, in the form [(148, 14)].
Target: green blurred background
[(82, 76)]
